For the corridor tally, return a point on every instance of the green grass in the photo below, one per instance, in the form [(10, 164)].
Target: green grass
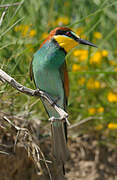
[(16, 52)]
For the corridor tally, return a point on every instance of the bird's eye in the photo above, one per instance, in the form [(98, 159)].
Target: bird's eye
[(68, 33)]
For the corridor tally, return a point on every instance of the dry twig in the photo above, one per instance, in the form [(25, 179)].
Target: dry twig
[(83, 122)]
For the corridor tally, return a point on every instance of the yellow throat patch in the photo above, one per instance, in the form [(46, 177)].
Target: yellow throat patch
[(66, 42)]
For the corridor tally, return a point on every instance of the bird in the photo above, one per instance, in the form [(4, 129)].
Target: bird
[(49, 72)]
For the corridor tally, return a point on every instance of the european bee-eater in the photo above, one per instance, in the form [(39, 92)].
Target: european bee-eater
[(49, 72)]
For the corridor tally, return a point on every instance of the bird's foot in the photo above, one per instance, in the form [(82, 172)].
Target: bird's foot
[(53, 119), (37, 92), (62, 119)]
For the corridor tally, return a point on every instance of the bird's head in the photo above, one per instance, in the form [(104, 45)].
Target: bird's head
[(67, 39)]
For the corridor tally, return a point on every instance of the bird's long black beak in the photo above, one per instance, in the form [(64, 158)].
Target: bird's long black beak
[(85, 42), (82, 41)]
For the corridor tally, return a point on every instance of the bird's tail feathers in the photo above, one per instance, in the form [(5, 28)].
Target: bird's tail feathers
[(59, 145)]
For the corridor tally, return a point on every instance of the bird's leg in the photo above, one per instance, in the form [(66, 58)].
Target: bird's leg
[(53, 119), (63, 115)]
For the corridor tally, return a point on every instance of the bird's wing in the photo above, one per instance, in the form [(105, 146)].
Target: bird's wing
[(65, 80)]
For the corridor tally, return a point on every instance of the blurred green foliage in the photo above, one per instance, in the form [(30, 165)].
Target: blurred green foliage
[(93, 72)]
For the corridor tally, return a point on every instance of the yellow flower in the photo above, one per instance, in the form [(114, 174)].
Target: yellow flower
[(44, 35), (77, 52), (96, 84), (76, 67), (100, 110), (112, 97), (112, 126), (82, 54), (97, 35), (115, 69), (92, 111), (83, 57), (104, 53), (79, 30), (32, 33), (112, 62), (90, 83), (62, 21), (96, 58), (24, 30), (81, 81), (93, 84), (18, 28)]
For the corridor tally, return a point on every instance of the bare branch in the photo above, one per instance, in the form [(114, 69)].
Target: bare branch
[(5, 77), (2, 152), (10, 5)]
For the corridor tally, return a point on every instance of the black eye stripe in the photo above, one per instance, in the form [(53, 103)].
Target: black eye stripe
[(67, 33), (61, 32)]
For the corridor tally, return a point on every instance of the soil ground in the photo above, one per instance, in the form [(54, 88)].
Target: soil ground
[(89, 160)]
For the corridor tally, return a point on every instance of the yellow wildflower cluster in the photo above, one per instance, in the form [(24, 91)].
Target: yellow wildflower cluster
[(82, 54), (77, 67), (32, 33), (104, 53), (93, 110), (112, 97), (93, 84), (25, 30), (98, 56), (61, 21), (112, 126)]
